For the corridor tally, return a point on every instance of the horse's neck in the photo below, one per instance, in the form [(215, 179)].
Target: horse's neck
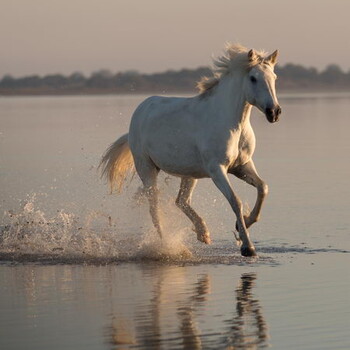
[(233, 109)]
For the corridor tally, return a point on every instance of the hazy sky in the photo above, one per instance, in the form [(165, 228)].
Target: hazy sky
[(64, 36)]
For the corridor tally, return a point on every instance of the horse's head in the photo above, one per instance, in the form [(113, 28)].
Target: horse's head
[(260, 85)]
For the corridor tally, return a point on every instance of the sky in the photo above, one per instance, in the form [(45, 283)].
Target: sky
[(66, 36)]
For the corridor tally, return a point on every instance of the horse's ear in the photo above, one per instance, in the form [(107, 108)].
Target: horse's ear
[(252, 55), (272, 59)]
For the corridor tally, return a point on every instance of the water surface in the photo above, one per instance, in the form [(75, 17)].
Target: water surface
[(81, 269)]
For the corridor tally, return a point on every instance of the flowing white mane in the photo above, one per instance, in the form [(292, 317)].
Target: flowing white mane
[(235, 57)]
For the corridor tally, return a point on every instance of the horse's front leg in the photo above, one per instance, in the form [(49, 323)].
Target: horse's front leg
[(220, 178), (248, 173)]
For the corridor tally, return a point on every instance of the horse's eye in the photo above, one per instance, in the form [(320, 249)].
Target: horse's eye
[(253, 79)]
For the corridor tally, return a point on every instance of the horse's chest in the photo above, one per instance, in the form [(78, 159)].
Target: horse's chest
[(241, 152)]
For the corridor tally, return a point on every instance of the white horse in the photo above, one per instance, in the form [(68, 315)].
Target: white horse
[(208, 135)]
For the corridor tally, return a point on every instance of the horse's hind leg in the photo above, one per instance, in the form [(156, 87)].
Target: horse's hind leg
[(148, 173), (183, 201)]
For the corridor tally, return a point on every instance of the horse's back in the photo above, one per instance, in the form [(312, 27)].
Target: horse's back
[(159, 106), (154, 115)]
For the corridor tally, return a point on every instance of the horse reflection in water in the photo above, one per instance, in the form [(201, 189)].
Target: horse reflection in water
[(186, 312), (243, 327), (249, 318)]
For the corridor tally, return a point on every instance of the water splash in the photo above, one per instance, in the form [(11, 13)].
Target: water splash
[(169, 248), (29, 231), (29, 235)]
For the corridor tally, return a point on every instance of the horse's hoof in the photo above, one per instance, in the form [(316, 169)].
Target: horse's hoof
[(248, 251), (204, 238)]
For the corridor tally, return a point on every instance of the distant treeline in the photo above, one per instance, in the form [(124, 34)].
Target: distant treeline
[(290, 77)]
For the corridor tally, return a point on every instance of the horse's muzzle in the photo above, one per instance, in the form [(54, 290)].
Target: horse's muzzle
[(273, 114)]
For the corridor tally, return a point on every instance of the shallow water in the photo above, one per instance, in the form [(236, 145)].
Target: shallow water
[(83, 269)]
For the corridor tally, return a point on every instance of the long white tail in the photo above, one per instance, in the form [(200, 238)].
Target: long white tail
[(116, 163)]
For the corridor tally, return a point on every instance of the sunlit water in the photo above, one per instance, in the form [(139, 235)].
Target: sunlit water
[(81, 269)]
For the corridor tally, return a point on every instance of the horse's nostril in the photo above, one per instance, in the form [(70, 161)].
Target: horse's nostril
[(272, 114), (269, 111)]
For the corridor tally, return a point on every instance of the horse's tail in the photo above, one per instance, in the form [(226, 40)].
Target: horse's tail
[(116, 163)]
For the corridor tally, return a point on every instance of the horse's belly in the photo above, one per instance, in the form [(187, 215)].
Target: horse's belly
[(177, 160), (186, 172), (178, 167)]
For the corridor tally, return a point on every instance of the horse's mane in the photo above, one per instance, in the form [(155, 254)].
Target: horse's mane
[(235, 57)]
